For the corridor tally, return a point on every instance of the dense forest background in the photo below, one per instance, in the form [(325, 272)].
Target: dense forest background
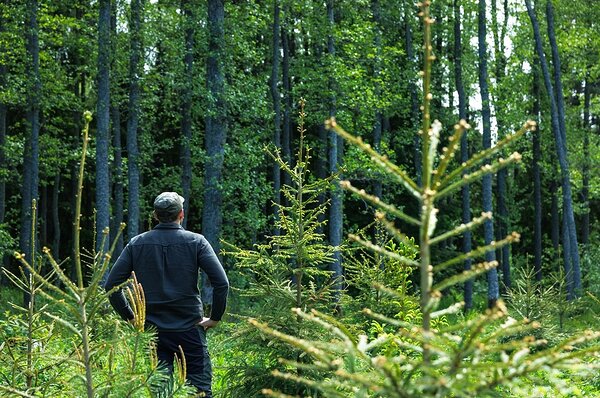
[(204, 98)]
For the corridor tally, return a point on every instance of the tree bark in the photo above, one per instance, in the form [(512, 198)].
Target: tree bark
[(585, 188), (377, 127), (3, 114), (186, 106), (29, 189), (133, 170), (568, 211), (216, 132), (488, 226), (286, 138), (502, 221), (567, 263), (464, 149), (42, 211), (276, 97), (554, 214), (414, 99), (537, 179), (3, 166), (561, 148), (335, 156), (117, 145), (102, 131), (56, 217)]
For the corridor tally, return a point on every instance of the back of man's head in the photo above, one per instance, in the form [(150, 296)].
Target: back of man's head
[(167, 206)]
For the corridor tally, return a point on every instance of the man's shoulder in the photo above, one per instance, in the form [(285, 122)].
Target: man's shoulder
[(193, 235), (155, 236)]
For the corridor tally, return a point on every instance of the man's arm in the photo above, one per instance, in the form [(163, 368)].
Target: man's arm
[(120, 272), (210, 264)]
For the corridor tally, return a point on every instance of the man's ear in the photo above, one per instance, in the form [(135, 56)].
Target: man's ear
[(181, 215), (154, 215)]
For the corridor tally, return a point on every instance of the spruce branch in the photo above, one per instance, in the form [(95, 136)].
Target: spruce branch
[(328, 323), (453, 309), (301, 380), (19, 282), (65, 280), (468, 344), (137, 300), (44, 281), (378, 249), (433, 140), (486, 169), (395, 232), (381, 160), (448, 152), (465, 275), (304, 345), (425, 131), (374, 200), (385, 319), (480, 251), (487, 153), (77, 223), (14, 392), (180, 365), (276, 394), (462, 228)]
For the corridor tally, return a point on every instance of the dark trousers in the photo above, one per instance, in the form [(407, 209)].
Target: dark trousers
[(193, 343)]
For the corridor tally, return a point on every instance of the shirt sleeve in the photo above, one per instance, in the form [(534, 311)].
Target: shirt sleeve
[(210, 264), (120, 272)]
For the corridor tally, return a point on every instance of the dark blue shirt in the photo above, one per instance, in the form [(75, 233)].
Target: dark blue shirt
[(167, 261)]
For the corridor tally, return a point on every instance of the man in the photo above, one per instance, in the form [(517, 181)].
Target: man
[(166, 261)]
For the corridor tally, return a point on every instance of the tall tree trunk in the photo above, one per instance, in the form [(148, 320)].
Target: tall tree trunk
[(585, 188), (322, 154), (488, 226), (555, 216), (377, 127), (186, 106), (216, 132), (502, 226), (42, 211), (118, 196), (102, 131), (567, 263), (537, 179), (499, 31), (276, 97), (286, 137), (29, 189), (56, 216), (3, 112), (568, 211), (464, 149), (321, 165), (335, 156), (133, 170), (561, 148), (414, 98)]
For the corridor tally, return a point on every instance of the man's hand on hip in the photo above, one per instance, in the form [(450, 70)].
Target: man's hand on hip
[(208, 323)]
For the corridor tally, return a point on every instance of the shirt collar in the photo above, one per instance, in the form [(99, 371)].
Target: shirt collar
[(168, 225)]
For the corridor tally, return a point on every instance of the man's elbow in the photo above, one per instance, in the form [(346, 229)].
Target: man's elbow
[(222, 284)]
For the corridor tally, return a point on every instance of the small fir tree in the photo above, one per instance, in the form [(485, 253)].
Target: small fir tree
[(288, 271)]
